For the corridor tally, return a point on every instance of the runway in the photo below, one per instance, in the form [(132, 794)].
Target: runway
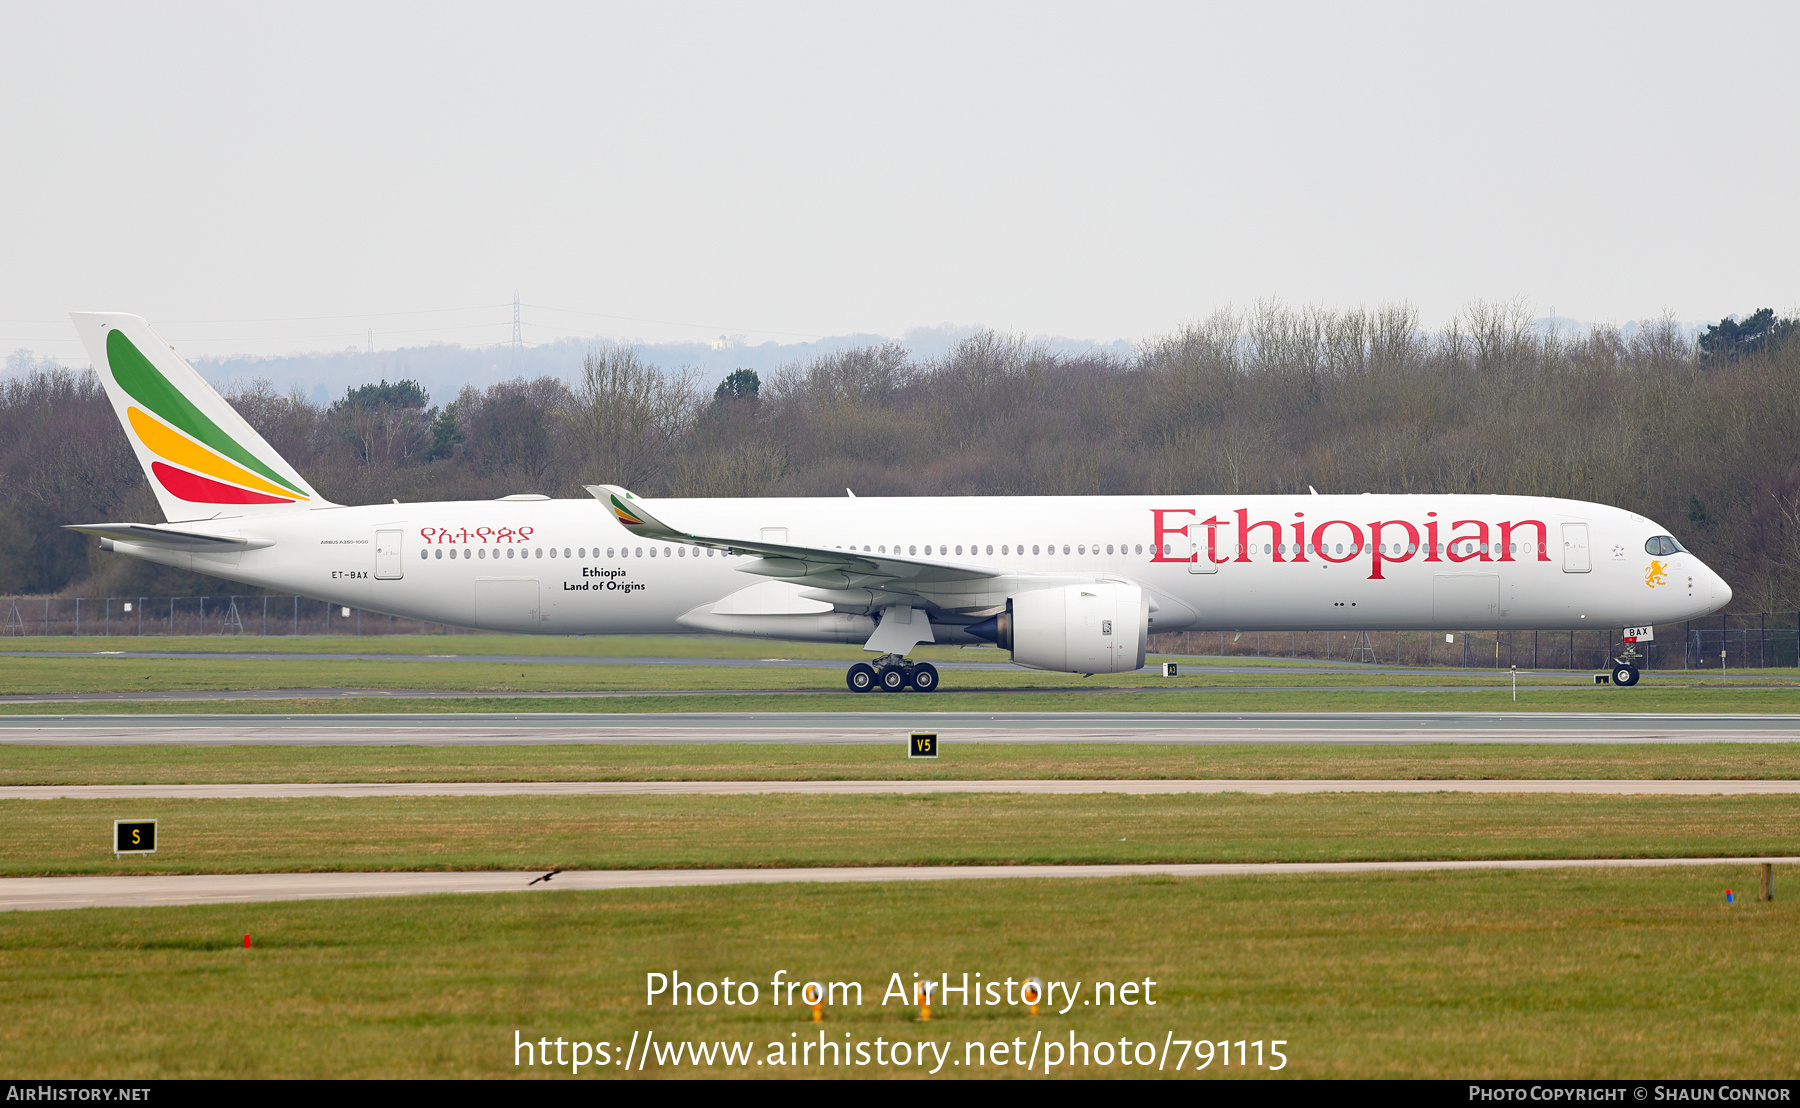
[(878, 727), (1586, 787), (43, 893)]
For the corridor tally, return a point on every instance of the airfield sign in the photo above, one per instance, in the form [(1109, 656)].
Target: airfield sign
[(134, 836)]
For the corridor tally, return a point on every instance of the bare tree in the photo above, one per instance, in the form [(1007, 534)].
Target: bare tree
[(510, 428), (868, 374), (1500, 331), (625, 417)]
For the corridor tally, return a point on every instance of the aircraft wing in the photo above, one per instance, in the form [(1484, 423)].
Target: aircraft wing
[(817, 566)]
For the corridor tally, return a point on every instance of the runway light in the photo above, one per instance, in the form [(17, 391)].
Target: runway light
[(922, 991), (1032, 992), (246, 940), (814, 994)]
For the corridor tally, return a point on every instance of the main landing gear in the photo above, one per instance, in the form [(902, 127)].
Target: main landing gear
[(892, 673)]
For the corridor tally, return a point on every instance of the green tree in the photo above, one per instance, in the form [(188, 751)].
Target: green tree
[(382, 397), (739, 384), (446, 433), (383, 423), (1732, 338)]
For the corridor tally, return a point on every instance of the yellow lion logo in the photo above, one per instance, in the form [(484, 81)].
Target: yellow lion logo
[(1657, 574)]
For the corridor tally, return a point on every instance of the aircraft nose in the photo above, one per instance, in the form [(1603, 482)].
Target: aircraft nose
[(1721, 592)]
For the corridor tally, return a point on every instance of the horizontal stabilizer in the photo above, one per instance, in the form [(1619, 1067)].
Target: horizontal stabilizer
[(152, 535)]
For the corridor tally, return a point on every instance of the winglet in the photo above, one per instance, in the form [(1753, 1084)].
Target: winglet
[(630, 513)]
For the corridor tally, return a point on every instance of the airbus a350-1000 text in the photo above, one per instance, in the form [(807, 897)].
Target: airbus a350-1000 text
[(1075, 584)]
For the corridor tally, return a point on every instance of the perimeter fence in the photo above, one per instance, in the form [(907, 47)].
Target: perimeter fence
[(260, 614), (1750, 641), (1760, 640)]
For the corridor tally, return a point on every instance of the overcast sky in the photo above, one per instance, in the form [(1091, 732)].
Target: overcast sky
[(268, 180)]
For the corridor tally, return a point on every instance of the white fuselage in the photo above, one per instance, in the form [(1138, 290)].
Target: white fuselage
[(1207, 562)]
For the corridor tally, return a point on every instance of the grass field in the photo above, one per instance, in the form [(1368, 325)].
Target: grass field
[(43, 837), (1582, 973), (108, 765), (613, 687), (126, 674)]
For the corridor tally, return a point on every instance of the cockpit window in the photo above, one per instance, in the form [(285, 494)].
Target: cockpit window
[(1662, 545)]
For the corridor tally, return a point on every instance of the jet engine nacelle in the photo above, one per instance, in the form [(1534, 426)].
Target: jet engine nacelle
[(1102, 628)]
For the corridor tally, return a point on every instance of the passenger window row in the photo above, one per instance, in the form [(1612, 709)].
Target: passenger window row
[(1007, 549), (529, 552), (1660, 545)]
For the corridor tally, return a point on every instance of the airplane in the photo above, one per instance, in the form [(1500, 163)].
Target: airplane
[(1075, 584)]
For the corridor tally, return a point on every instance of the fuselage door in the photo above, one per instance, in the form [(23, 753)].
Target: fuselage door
[(388, 565), (1199, 561), (1576, 557)]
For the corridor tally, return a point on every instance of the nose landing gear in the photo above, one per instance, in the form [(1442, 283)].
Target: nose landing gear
[(1624, 667), (892, 673)]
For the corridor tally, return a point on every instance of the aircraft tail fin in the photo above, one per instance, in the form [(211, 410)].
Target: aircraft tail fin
[(202, 459)]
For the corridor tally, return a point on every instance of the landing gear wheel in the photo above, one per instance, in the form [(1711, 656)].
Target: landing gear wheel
[(891, 679), (861, 678), (1624, 675), (924, 677)]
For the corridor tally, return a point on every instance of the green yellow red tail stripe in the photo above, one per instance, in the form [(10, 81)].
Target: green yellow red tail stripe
[(166, 444), (212, 451)]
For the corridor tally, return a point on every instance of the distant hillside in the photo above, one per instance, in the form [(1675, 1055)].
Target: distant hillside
[(443, 369)]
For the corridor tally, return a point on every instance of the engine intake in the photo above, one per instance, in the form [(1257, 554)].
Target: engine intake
[(1102, 628)]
